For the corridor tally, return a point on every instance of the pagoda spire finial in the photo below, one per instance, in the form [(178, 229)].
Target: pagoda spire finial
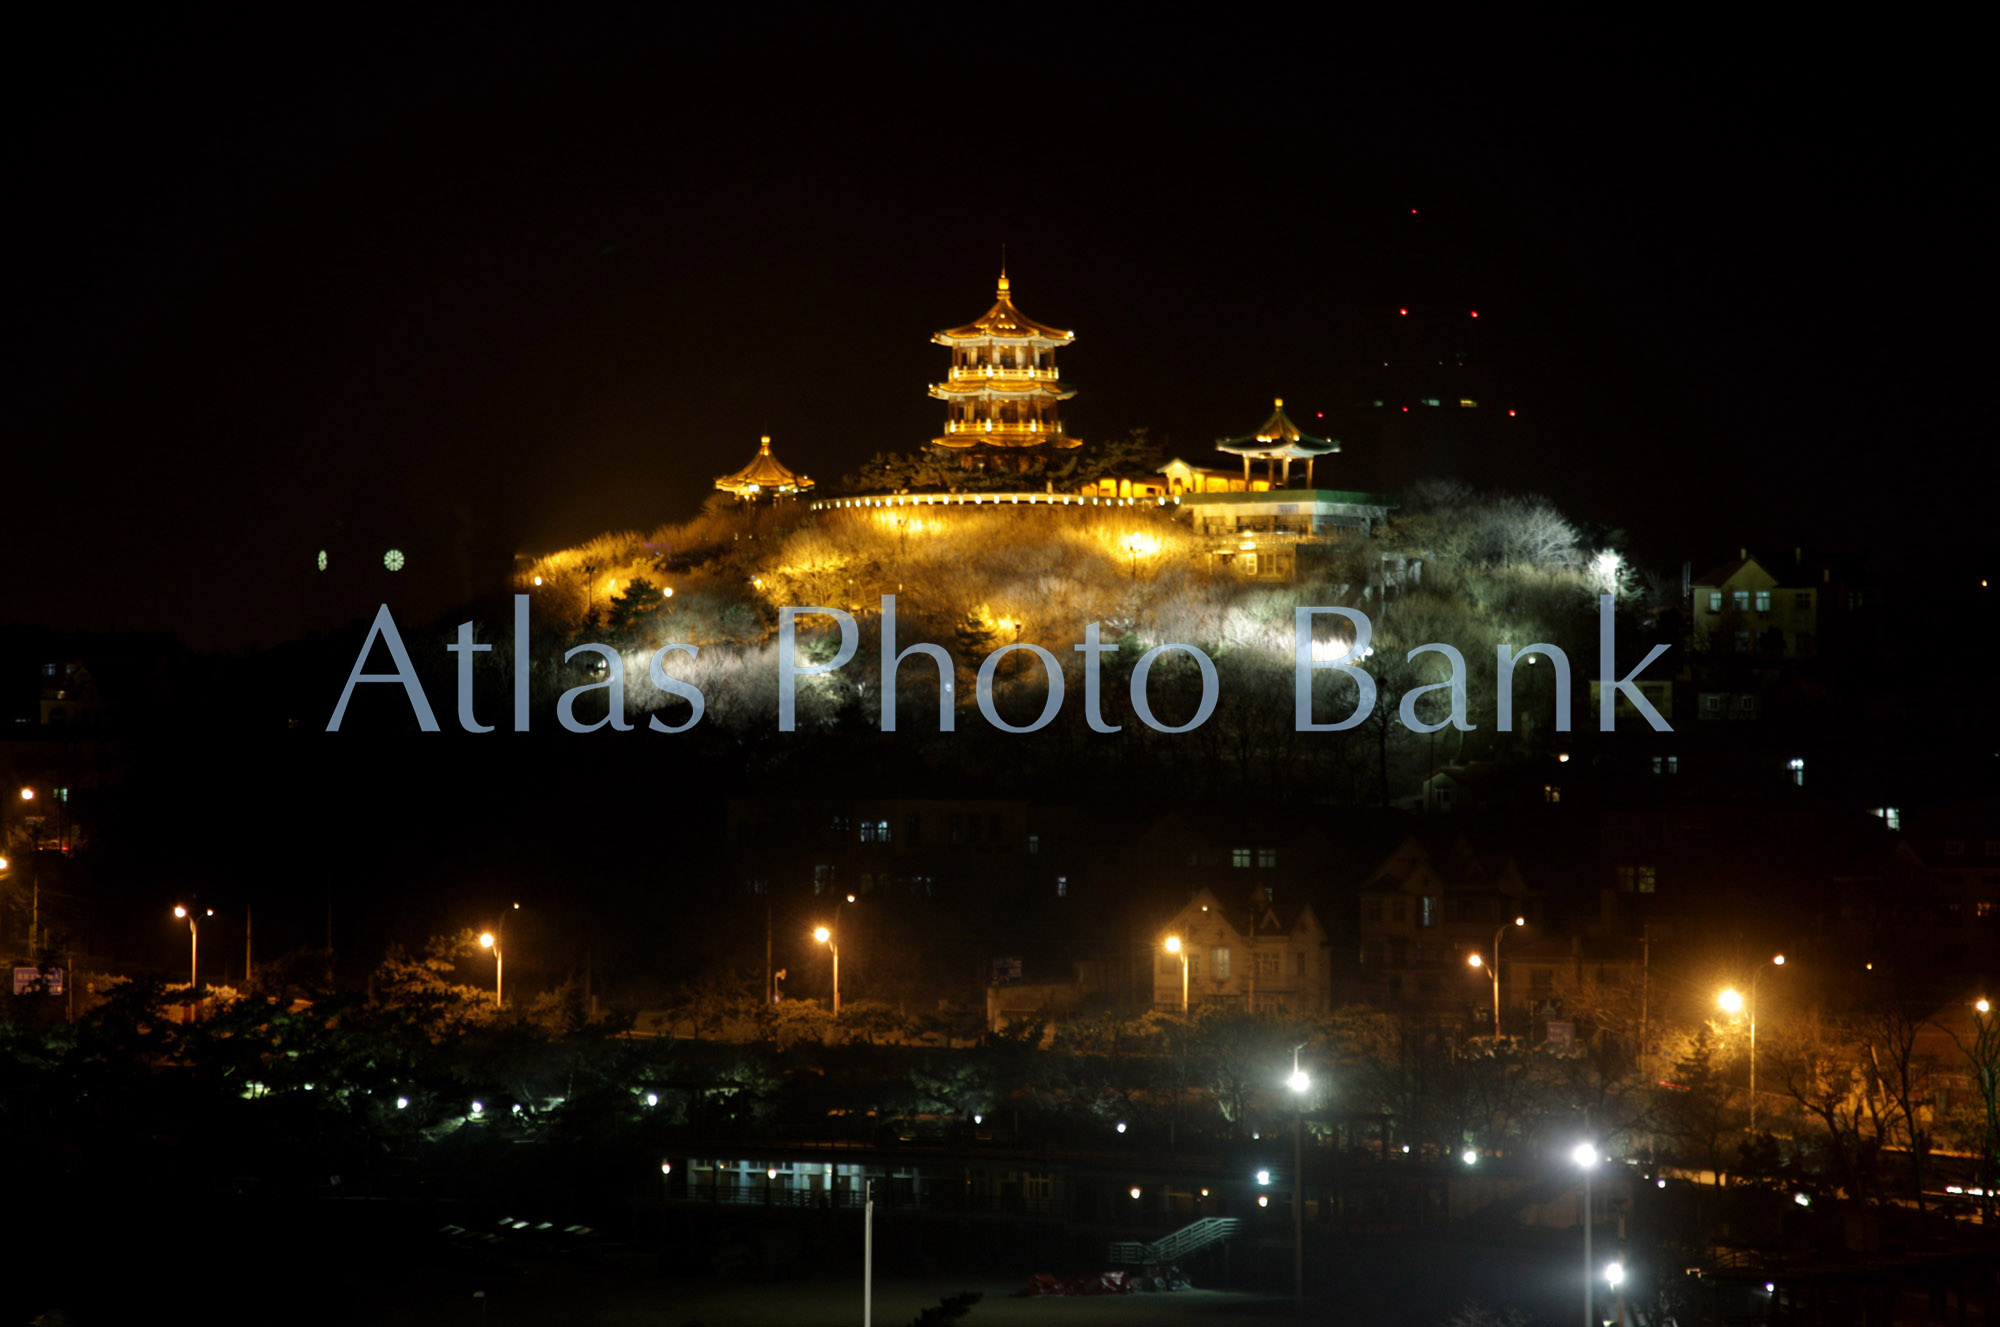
[(1003, 271), (764, 445)]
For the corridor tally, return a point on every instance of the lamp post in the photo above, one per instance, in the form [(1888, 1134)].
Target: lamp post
[(1298, 1083), (1732, 1002), (1174, 946), (1584, 1154), (1493, 970), (491, 941), (830, 937), (186, 914)]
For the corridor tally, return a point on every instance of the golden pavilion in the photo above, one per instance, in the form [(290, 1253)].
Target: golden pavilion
[(1279, 441), (765, 477), (1004, 385)]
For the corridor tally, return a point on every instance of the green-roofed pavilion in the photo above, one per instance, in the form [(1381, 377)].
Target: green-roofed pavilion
[(1278, 443)]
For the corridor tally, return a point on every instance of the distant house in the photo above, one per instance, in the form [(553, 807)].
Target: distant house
[(1741, 608), (1482, 785), (70, 696), (1431, 904), (1566, 978), (1256, 954)]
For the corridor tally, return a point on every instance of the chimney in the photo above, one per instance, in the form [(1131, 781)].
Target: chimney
[(1798, 555), (1743, 554)]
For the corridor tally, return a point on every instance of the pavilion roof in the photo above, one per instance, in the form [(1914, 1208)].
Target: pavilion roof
[(1005, 321), (765, 474), (1279, 437)]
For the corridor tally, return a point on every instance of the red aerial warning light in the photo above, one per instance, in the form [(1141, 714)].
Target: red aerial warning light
[(1475, 313), (1404, 312), (1510, 414), (1413, 211), (1406, 410)]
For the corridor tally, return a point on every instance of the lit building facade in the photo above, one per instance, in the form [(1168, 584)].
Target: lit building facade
[(1003, 389)]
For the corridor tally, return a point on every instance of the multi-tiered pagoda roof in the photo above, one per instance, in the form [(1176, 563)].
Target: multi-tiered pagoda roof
[(1003, 384)]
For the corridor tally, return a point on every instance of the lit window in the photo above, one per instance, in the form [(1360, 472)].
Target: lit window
[(881, 831), (1715, 601), (1034, 843), (1552, 793), (1221, 968), (1763, 601), (1739, 599), (1430, 916), (1659, 764), (867, 831), (1267, 857), (1673, 764), (1892, 816), (1062, 886), (1645, 879), (1798, 771), (1239, 857)]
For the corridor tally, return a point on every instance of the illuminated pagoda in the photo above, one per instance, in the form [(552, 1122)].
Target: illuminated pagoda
[(1279, 441), (765, 477), (1004, 385)]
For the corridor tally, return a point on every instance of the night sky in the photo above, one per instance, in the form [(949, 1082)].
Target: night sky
[(518, 279)]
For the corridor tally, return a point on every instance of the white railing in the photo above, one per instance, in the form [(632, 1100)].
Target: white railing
[(1186, 1240), (1029, 499)]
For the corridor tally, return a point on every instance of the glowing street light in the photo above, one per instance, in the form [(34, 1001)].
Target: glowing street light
[(1298, 1082), (186, 914), (1174, 946), (1584, 1154), (488, 940), (1732, 1002), (1493, 969), (830, 937)]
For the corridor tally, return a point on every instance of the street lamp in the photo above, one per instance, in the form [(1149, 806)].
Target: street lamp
[(1174, 946), (488, 940), (830, 937), (186, 914), (1584, 1154), (1493, 970), (1298, 1082), (1732, 1002)]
